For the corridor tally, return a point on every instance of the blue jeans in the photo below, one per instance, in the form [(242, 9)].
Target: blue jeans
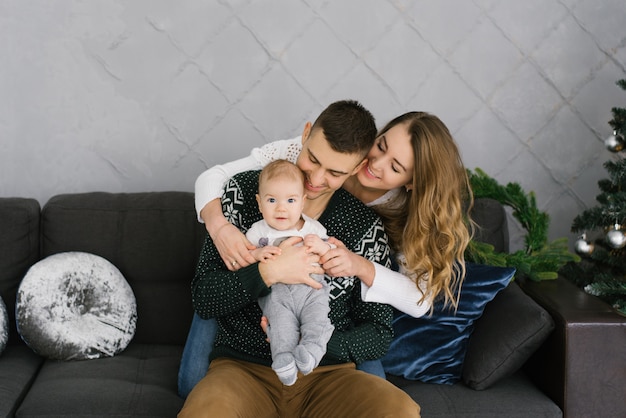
[(195, 361)]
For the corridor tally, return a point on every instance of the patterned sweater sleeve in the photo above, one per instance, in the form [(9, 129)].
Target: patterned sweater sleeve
[(365, 332), (216, 291)]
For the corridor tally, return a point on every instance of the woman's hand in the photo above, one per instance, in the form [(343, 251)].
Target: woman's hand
[(233, 247), (231, 244), (341, 262)]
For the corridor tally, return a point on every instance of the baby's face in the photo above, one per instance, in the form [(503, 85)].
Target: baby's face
[(281, 202)]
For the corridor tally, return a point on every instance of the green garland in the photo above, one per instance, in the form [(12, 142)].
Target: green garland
[(539, 260)]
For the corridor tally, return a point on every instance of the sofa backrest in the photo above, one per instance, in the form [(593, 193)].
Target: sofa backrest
[(19, 249), (154, 240), (491, 218)]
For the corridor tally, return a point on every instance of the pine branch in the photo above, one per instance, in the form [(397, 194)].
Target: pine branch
[(590, 219), (524, 206), (612, 292), (610, 289), (539, 260)]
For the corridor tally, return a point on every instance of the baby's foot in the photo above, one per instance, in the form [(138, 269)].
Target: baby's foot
[(304, 360), (285, 368), (287, 374)]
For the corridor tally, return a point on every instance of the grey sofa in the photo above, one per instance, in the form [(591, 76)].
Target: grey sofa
[(154, 240)]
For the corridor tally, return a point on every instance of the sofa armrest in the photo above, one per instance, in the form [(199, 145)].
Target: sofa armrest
[(582, 365), (19, 249)]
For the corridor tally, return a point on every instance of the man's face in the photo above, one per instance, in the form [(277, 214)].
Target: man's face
[(325, 169)]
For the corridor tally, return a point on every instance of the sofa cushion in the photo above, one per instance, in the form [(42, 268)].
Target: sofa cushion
[(75, 306), (432, 348), (511, 329), (19, 249), (4, 326), (141, 381)]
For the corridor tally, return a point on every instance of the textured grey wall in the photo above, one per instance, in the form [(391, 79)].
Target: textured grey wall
[(144, 95)]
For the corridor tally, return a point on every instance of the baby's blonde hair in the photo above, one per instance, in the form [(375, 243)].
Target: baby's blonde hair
[(282, 169)]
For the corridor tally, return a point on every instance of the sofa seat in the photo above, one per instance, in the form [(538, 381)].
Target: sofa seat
[(141, 381), (18, 369), (513, 397)]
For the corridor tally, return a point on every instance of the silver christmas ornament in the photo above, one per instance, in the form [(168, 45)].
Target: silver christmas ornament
[(582, 246), (614, 143), (615, 237)]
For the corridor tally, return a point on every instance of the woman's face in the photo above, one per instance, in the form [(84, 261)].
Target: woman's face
[(390, 161)]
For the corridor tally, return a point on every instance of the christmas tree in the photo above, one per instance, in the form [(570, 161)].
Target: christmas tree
[(602, 229)]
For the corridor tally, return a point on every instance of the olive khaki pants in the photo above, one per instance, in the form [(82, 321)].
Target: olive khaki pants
[(235, 388)]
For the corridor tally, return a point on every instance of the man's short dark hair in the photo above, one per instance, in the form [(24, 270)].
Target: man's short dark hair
[(348, 127)]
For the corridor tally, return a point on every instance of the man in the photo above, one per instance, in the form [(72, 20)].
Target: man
[(240, 381)]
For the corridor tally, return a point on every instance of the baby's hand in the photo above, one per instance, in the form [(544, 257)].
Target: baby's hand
[(316, 245), (263, 254)]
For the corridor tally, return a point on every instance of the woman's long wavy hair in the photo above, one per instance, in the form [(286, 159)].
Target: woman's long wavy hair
[(430, 223)]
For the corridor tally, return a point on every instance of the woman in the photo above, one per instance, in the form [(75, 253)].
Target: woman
[(414, 179)]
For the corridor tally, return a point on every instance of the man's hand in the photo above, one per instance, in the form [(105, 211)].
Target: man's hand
[(293, 266), (265, 326)]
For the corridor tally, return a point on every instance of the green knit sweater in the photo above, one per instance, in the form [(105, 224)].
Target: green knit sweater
[(362, 329)]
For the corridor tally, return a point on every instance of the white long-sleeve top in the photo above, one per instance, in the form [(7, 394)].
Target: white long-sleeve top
[(390, 287), (210, 184)]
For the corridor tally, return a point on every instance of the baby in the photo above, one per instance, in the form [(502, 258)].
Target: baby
[(298, 314)]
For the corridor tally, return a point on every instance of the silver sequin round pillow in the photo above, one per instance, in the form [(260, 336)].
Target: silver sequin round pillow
[(75, 306), (4, 326)]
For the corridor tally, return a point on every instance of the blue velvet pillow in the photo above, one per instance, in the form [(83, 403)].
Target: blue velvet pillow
[(432, 348)]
